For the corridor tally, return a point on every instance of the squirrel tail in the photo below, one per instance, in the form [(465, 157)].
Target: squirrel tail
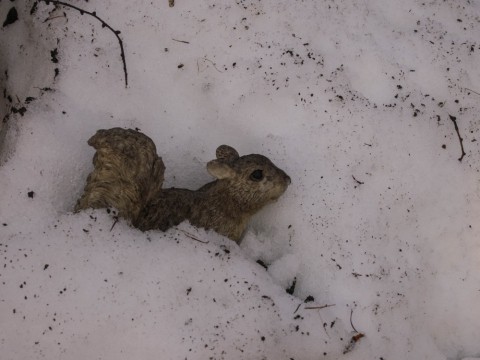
[(127, 172)]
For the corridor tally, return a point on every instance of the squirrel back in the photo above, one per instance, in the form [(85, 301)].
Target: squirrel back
[(128, 176)]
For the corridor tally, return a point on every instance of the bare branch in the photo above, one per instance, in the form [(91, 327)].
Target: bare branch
[(104, 24), (187, 234), (318, 307), (358, 181), (181, 41), (351, 322), (298, 307), (454, 120), (210, 61), (114, 223), (473, 91)]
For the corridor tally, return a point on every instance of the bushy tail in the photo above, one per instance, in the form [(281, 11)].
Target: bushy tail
[(127, 174)]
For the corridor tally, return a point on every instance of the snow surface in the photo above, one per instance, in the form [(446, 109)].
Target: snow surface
[(353, 99)]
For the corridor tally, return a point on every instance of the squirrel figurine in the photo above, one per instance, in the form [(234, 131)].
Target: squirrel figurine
[(128, 175)]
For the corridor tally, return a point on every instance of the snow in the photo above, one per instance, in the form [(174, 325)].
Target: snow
[(352, 99)]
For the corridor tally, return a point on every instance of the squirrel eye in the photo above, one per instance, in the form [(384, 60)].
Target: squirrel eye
[(257, 175)]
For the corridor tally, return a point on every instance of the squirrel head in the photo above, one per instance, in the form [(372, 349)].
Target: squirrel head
[(252, 181)]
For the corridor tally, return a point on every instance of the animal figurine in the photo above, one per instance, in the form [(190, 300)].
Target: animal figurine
[(128, 175)]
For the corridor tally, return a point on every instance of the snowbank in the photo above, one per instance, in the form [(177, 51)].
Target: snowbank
[(356, 102)]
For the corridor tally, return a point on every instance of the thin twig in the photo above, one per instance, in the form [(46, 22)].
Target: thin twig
[(298, 307), (472, 91), (355, 338), (454, 120), (210, 61), (114, 223), (104, 24), (181, 41), (192, 237), (358, 181), (351, 322), (318, 307), (55, 17)]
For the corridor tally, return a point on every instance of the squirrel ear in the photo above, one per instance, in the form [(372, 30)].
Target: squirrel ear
[(227, 153), (220, 169)]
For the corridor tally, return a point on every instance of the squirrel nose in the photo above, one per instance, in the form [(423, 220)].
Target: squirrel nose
[(287, 179)]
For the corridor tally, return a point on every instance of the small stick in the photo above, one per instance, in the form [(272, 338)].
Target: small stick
[(298, 307), (114, 223), (454, 120), (55, 17), (355, 338), (104, 24), (192, 237), (318, 307), (472, 91), (351, 322), (358, 181), (210, 61), (181, 41)]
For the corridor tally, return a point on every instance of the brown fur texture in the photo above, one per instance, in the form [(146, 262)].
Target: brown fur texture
[(128, 175)]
